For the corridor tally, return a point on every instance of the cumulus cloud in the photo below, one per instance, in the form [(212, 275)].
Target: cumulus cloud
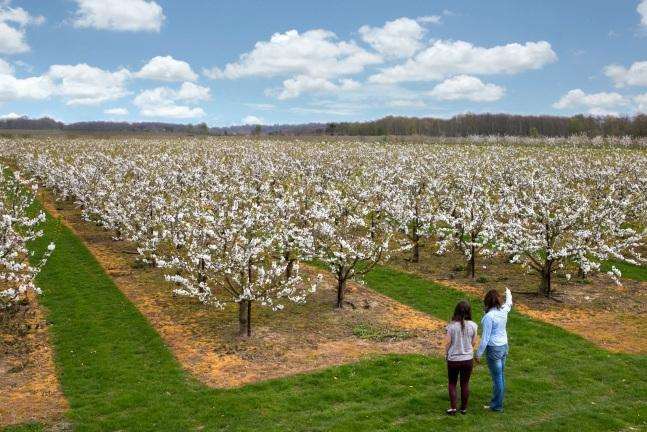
[(294, 87), (5, 68), (13, 23), (166, 68), (465, 87), (10, 116), (36, 88), (596, 103), (398, 38), (603, 112), (252, 120), (82, 84), (636, 75), (315, 53), (119, 15), (163, 101), (445, 58), (79, 84), (116, 111), (642, 11), (193, 92), (641, 103)]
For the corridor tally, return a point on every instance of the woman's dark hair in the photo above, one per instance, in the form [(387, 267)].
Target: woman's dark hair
[(492, 300), (462, 312)]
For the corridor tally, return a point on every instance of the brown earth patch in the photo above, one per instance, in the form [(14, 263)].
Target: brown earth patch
[(611, 316), (298, 339), (29, 387)]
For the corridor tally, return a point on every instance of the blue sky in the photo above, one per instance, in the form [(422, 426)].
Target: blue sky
[(233, 62)]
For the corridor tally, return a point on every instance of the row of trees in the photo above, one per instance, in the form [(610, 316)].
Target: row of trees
[(231, 220), (18, 226)]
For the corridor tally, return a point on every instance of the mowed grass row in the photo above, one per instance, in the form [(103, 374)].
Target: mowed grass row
[(117, 374)]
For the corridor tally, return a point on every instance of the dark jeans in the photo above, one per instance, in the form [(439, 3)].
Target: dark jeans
[(464, 370), (496, 357)]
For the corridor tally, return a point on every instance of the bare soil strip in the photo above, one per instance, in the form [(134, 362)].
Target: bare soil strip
[(297, 339), (29, 387)]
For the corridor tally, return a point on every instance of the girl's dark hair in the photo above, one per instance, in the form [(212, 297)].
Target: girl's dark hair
[(492, 300), (462, 312)]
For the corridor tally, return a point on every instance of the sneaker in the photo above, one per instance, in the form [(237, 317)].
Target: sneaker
[(463, 411), (451, 412)]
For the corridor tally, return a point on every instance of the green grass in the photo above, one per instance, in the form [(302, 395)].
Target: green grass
[(368, 332), (629, 271), (117, 374), (30, 427)]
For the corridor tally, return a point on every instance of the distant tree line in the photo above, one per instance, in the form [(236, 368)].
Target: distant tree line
[(45, 123), (457, 126), (496, 124)]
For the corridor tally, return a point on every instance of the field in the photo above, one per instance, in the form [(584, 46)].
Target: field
[(286, 285)]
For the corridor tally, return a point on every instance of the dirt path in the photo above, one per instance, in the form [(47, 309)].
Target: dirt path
[(29, 387)]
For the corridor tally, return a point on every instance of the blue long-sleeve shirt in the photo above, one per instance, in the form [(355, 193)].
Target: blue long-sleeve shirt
[(493, 325)]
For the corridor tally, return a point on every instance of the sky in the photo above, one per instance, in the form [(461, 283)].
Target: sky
[(266, 62)]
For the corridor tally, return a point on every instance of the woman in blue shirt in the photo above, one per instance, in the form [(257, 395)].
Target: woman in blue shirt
[(494, 342)]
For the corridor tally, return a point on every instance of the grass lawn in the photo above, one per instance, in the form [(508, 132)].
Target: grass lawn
[(117, 374), (630, 271)]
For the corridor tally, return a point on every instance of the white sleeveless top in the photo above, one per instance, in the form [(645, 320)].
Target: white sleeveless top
[(461, 346)]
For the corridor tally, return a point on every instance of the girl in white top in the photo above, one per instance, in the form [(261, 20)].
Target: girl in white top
[(460, 341)]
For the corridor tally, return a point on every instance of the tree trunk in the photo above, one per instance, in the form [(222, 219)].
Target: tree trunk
[(545, 288), (416, 244), (471, 268), (288, 269), (341, 291), (244, 319), (416, 252)]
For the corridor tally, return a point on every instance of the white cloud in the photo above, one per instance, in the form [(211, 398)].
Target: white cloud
[(432, 19), (468, 88), (163, 101), (642, 11), (173, 111), (446, 58), (116, 111), (10, 116), (166, 68), (193, 92), (407, 103), (595, 103), (120, 15), (12, 88), (13, 22), (5, 68), (641, 101), (79, 84), (261, 106), (294, 87), (399, 38), (316, 53), (252, 120), (602, 112), (82, 84), (636, 75)]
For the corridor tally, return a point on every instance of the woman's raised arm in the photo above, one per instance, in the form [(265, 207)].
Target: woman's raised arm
[(508, 300)]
